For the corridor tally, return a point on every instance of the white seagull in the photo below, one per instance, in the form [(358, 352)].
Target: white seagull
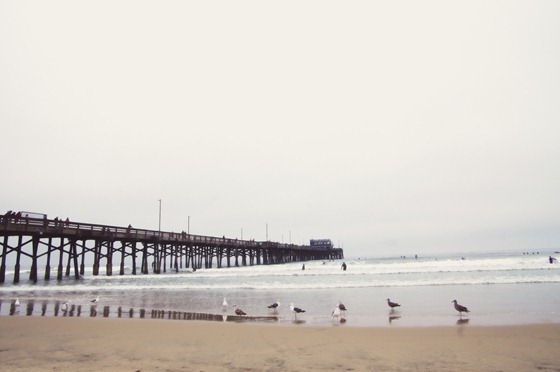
[(95, 300), (17, 302), (224, 305), (336, 312), (64, 306), (296, 310)]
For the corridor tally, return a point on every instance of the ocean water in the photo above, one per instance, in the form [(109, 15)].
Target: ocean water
[(498, 289)]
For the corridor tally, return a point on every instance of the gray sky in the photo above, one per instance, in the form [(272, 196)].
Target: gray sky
[(407, 127)]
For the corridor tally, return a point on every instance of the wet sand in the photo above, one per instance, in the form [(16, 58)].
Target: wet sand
[(93, 344)]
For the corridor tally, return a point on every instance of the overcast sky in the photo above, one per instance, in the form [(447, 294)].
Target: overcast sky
[(390, 127)]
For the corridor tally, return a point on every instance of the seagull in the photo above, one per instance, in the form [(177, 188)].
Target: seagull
[(95, 300), (296, 310), (391, 304), (64, 306), (336, 312), (17, 302), (460, 308), (274, 305), (238, 311), (342, 307), (224, 304)]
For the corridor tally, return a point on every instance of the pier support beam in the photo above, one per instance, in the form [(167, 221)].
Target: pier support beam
[(48, 265), (60, 259), (123, 246), (82, 262), (18, 258), (33, 271), (74, 250), (109, 266), (133, 258), (3, 264), (96, 257)]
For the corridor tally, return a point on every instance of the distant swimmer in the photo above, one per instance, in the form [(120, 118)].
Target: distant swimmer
[(552, 259), (343, 267)]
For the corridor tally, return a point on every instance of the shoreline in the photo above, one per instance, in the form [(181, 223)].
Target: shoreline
[(383, 318), (88, 311), (31, 343)]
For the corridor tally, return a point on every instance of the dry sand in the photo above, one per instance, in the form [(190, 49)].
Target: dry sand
[(93, 344)]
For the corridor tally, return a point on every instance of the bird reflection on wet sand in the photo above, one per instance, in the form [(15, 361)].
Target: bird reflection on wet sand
[(393, 314), (461, 326)]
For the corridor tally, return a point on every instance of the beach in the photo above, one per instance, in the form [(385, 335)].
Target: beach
[(176, 322), (93, 344)]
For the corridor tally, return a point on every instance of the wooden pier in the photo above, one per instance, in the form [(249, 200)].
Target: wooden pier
[(68, 246)]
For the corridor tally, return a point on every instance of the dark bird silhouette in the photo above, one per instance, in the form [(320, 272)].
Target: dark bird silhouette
[(296, 310), (238, 311), (95, 300), (392, 305), (274, 305), (460, 308)]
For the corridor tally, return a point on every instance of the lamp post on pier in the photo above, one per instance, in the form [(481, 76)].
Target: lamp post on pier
[(159, 225)]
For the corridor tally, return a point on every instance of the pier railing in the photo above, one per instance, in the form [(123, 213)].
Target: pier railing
[(81, 230)]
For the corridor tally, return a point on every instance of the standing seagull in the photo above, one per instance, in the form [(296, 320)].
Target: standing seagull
[(17, 302), (238, 311), (460, 308), (336, 312), (275, 305), (342, 308), (64, 306), (95, 300), (296, 310), (391, 304), (224, 305)]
